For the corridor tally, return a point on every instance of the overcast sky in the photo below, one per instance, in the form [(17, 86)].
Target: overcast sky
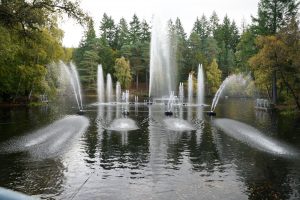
[(186, 10)]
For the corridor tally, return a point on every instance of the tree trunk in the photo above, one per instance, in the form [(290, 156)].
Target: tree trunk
[(274, 88), (269, 96), (296, 98)]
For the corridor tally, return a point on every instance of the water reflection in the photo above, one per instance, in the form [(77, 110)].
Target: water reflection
[(155, 161)]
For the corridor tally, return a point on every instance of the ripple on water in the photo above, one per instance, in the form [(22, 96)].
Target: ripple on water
[(176, 124)]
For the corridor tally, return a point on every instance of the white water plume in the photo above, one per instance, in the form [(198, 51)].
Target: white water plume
[(238, 83), (254, 138)]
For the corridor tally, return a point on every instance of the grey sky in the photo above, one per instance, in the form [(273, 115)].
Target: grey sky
[(186, 10)]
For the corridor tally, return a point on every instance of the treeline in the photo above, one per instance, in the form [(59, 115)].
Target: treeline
[(268, 48), (29, 41), (212, 43)]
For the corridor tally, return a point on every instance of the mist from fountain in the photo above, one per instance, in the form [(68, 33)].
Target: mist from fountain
[(190, 88), (118, 92), (163, 70), (238, 79), (51, 140), (109, 88), (123, 124), (200, 85), (72, 76), (254, 138), (171, 102)]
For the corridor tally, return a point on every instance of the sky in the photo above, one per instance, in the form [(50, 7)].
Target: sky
[(186, 10)]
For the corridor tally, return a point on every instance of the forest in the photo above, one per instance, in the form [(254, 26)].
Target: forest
[(268, 49)]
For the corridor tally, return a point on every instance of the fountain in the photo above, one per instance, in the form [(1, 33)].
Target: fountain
[(123, 124), (237, 79), (254, 138), (200, 85), (109, 88), (163, 71), (51, 140), (72, 75), (100, 85), (118, 92), (170, 104), (125, 98), (176, 124), (181, 92), (190, 88)]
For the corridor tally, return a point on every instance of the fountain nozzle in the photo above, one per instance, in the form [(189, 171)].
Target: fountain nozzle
[(125, 112), (168, 113), (211, 113), (80, 112)]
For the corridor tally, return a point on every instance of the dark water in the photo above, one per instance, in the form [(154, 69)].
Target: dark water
[(49, 153)]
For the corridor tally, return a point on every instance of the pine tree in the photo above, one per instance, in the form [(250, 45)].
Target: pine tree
[(108, 31), (135, 31)]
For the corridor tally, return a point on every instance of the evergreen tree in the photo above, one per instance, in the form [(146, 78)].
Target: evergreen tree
[(122, 34), (272, 15), (145, 32), (135, 31), (213, 23), (108, 31), (246, 48)]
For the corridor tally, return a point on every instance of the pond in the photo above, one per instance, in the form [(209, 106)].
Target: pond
[(52, 153)]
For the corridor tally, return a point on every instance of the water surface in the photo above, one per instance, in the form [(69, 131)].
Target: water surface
[(89, 158)]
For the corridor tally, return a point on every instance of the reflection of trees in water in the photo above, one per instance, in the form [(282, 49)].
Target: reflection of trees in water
[(204, 155), (115, 153), (43, 178)]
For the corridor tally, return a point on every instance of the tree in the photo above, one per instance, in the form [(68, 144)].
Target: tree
[(246, 48), (122, 72), (88, 43), (201, 27), (272, 16), (276, 54), (122, 34), (227, 37), (34, 15), (108, 31), (214, 23), (88, 70), (181, 49), (213, 75), (135, 30)]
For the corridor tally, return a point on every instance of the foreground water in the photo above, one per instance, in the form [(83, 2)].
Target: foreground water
[(51, 153)]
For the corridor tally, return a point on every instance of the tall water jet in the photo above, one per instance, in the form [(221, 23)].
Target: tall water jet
[(77, 83), (200, 85), (72, 78), (163, 71), (100, 85), (181, 92), (190, 88), (118, 92), (109, 88)]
